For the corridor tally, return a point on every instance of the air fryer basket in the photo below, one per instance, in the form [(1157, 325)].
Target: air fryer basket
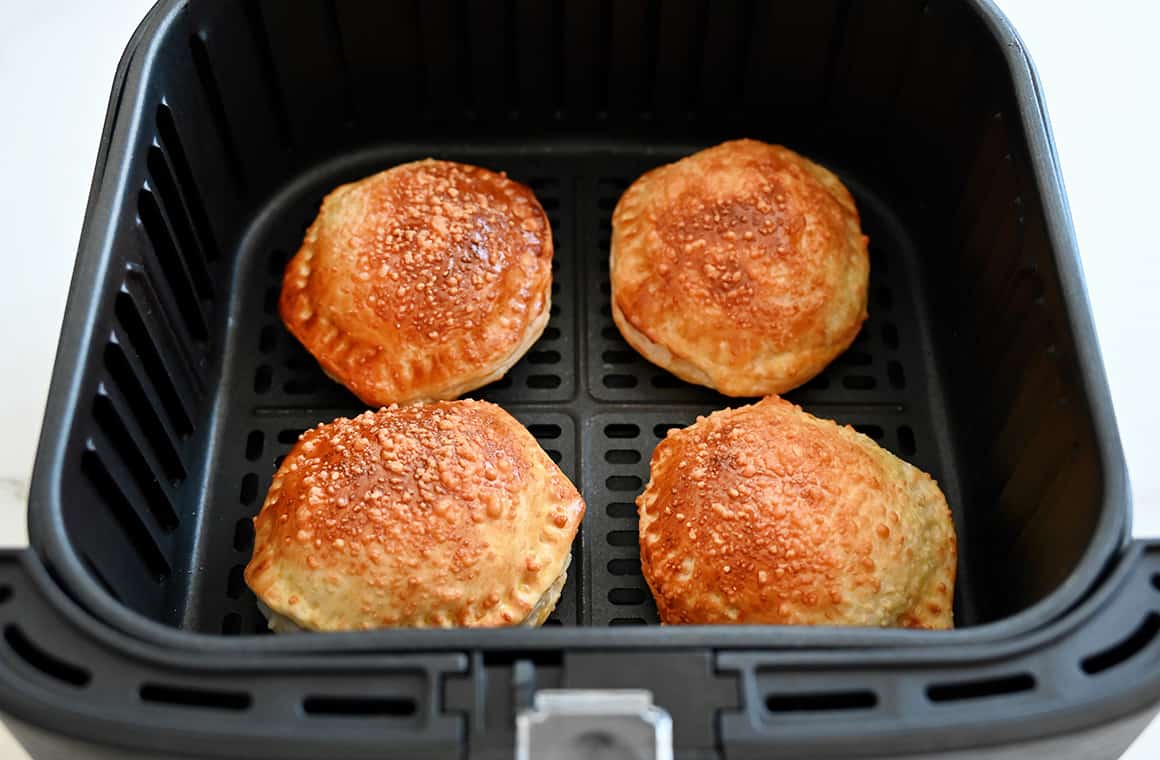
[(184, 388), (177, 390)]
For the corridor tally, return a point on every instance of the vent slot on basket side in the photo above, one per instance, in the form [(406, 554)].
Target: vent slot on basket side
[(137, 534), (170, 143), (217, 109), (188, 696), (46, 663), (626, 596), (146, 476), (169, 260), (102, 579), (126, 378), (981, 688), (1126, 649), (158, 368), (822, 701), (358, 706), (185, 241)]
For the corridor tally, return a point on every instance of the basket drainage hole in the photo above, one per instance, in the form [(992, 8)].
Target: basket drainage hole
[(502, 383), (254, 443), (621, 509), (249, 491), (624, 566), (906, 443), (551, 333), (544, 357), (623, 538), (289, 436), (819, 383), (667, 381), (1156, 581), (236, 583), (661, 430), (1124, 650), (545, 431), (621, 430), (543, 381), (358, 706), (619, 381), (267, 339), (895, 375), (554, 455), (617, 356), (184, 696), (624, 596), (627, 621), (861, 699), (48, 664), (299, 387), (980, 689), (871, 431), (613, 184), (890, 335), (263, 378), (855, 359), (244, 535), (5, 594), (232, 624), (859, 382), (623, 483), (622, 456)]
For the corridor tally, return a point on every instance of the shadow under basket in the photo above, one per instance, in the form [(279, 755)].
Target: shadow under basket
[(177, 390)]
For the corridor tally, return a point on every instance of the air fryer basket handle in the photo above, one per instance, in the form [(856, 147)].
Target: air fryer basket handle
[(1082, 687)]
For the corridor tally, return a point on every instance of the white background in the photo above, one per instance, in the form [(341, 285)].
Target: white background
[(1100, 67)]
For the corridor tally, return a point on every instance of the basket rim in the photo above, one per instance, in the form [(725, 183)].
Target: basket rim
[(48, 537)]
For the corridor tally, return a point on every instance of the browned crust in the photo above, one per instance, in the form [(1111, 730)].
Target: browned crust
[(766, 514), (742, 267), (432, 515), (422, 282)]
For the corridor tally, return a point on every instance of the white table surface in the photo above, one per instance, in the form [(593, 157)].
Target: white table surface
[(1100, 66)]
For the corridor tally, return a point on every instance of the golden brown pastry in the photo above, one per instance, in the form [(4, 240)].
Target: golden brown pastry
[(766, 514), (421, 282), (742, 267), (429, 516)]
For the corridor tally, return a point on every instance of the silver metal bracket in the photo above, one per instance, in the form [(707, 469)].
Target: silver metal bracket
[(594, 724)]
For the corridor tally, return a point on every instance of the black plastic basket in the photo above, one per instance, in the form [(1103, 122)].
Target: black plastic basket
[(128, 626)]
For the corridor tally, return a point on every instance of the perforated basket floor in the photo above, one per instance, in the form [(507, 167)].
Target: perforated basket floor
[(596, 406)]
